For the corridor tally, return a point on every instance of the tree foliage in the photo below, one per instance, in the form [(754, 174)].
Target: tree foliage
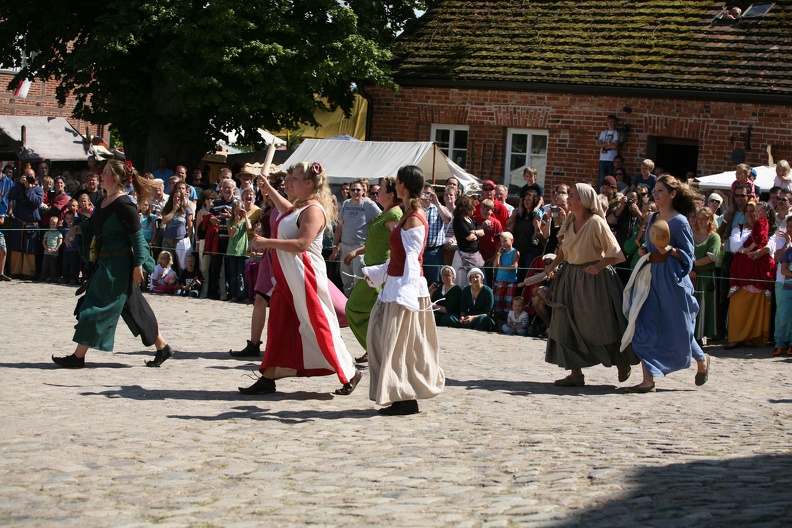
[(171, 75)]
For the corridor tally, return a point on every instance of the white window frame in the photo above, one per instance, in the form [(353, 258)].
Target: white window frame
[(531, 159), (451, 146)]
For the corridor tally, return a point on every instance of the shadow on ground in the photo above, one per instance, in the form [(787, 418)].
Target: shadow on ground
[(251, 412), (736, 492), (136, 392)]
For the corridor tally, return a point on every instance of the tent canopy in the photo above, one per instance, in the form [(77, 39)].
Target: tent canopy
[(51, 138), (346, 161), (722, 182)]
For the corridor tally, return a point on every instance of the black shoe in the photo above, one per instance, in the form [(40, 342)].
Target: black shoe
[(401, 408), (262, 386), (362, 359), (250, 350), (348, 388), (5, 278), (161, 357), (69, 361)]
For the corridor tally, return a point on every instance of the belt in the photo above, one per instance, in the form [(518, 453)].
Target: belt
[(434, 247), (117, 253), (655, 257)]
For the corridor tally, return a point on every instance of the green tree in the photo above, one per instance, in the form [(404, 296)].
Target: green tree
[(170, 75)]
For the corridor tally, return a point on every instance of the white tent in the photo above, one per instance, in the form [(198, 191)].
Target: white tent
[(723, 181), (346, 161), (52, 138)]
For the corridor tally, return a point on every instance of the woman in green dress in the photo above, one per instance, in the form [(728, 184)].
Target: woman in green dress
[(114, 288), (707, 254), (447, 297), (375, 251), (477, 303)]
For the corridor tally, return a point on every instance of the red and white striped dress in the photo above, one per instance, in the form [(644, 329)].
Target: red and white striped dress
[(303, 335)]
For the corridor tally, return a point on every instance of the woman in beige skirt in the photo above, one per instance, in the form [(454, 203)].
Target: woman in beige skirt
[(403, 349)]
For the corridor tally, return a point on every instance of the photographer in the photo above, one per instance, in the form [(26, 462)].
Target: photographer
[(625, 219), (24, 201)]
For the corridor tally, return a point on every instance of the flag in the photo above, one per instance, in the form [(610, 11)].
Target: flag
[(22, 89)]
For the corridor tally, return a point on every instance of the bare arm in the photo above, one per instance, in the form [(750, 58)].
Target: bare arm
[(311, 221), (280, 202)]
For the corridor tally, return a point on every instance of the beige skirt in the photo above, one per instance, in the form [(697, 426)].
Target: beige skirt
[(403, 353)]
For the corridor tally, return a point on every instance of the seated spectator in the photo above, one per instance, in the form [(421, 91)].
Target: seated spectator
[(517, 320), (477, 303), (447, 312), (190, 279), (538, 293), (164, 279)]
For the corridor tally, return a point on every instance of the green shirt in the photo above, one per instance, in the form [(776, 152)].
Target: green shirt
[(238, 244), (377, 243)]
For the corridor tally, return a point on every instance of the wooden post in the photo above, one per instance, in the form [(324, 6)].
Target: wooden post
[(23, 133), (434, 161)]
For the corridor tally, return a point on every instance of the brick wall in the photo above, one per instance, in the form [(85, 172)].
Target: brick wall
[(41, 101), (574, 122)]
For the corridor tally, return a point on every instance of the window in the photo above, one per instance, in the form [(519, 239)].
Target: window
[(525, 148), (452, 140)]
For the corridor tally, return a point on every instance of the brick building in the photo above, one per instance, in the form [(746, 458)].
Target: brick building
[(41, 101), (507, 83)]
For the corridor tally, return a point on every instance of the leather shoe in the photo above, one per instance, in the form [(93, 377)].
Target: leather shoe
[(400, 408), (362, 359), (571, 381), (160, 357), (262, 386), (250, 350), (778, 351), (624, 372), (637, 389), (71, 361), (701, 377), (348, 388)]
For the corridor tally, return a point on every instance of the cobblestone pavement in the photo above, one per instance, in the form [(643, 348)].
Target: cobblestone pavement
[(119, 444)]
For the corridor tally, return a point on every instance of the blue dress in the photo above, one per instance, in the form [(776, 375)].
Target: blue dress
[(664, 330)]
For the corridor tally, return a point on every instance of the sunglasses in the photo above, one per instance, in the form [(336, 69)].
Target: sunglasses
[(356, 190), (783, 200), (488, 189)]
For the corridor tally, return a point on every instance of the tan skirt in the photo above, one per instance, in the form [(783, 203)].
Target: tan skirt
[(403, 353)]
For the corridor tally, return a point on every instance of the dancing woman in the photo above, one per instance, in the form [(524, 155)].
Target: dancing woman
[(114, 287), (663, 316), (587, 323), (375, 251), (303, 336), (403, 348)]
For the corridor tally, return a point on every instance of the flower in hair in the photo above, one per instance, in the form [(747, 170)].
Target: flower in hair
[(316, 169)]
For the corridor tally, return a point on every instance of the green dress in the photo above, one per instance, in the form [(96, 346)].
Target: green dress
[(452, 303), (121, 246), (706, 321), (362, 297), (480, 309)]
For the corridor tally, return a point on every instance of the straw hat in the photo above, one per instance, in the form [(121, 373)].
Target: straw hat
[(254, 169)]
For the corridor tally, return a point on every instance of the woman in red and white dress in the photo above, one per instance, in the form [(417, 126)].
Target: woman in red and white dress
[(403, 348), (303, 336)]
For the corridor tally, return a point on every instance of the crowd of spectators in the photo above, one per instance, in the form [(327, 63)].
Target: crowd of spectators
[(483, 259)]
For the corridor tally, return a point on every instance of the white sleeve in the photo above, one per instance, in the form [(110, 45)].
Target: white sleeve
[(376, 274), (735, 240), (413, 240), (772, 243)]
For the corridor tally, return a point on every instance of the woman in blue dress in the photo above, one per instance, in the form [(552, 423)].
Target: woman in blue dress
[(663, 315)]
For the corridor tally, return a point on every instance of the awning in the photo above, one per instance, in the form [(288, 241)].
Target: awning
[(346, 161), (764, 179), (50, 138)]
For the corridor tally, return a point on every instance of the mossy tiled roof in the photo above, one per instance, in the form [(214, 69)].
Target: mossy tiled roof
[(617, 43)]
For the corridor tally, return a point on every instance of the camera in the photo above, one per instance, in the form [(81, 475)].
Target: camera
[(30, 179), (554, 209), (630, 201), (426, 196)]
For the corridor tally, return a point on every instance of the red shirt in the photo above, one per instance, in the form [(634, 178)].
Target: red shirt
[(500, 212)]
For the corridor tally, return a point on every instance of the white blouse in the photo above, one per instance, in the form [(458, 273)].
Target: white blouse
[(411, 286)]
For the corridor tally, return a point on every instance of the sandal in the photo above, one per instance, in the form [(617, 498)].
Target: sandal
[(160, 357), (638, 389), (348, 388)]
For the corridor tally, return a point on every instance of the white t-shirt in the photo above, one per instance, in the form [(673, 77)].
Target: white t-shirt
[(609, 136)]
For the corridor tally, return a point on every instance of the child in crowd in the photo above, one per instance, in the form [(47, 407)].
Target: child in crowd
[(51, 241), (645, 177), (236, 254), (517, 321), (148, 220), (743, 173), (190, 279), (71, 254), (85, 209), (164, 279), (506, 261), (72, 207)]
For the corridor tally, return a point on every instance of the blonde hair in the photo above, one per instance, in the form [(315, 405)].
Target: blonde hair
[(649, 164), (321, 187), (507, 235), (127, 174)]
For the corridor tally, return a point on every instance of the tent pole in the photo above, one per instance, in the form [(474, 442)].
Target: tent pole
[(434, 161), (23, 135)]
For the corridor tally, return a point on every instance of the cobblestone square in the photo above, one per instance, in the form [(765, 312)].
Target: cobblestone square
[(118, 444)]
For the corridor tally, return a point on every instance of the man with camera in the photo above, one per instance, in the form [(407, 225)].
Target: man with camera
[(24, 201)]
